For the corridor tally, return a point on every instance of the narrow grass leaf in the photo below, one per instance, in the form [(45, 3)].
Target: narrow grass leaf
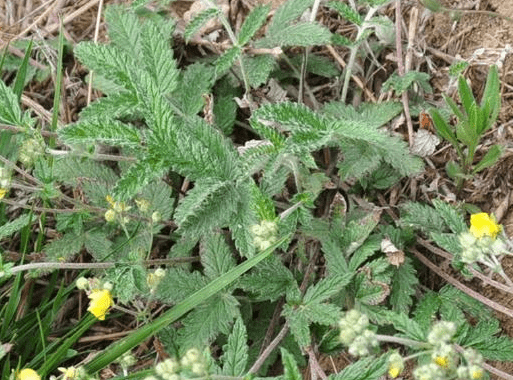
[(21, 74)]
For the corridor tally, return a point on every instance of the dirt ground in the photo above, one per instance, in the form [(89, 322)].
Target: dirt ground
[(439, 39)]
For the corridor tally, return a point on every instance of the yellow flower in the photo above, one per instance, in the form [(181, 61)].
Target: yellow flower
[(3, 192), (482, 225), (101, 301), (442, 361), (27, 374), (394, 371)]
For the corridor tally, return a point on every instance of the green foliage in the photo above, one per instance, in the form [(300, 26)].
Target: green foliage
[(473, 121), (235, 355), (368, 368), (198, 21), (402, 83)]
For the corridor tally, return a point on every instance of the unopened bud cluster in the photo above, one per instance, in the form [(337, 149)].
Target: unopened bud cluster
[(444, 358), (153, 279), (478, 249), (355, 334), (264, 234), (31, 150), (116, 211), (191, 365)]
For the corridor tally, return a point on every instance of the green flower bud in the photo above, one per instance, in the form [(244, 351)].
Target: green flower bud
[(441, 332)]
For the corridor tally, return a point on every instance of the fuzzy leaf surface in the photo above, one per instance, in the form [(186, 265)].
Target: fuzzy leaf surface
[(235, 357)]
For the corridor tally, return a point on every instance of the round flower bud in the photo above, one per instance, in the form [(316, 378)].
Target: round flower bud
[(156, 217), (442, 331), (82, 283), (110, 215), (108, 286)]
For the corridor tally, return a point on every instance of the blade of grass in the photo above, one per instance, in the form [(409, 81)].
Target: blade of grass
[(19, 82), (117, 349), (58, 82), (51, 363)]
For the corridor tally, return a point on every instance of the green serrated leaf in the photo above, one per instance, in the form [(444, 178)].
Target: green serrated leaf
[(301, 34), (269, 280), (252, 23), (326, 288), (116, 106), (235, 351), (286, 13), (258, 68), (216, 256), (409, 327), (124, 28), (346, 12), (158, 58), (209, 204), (110, 132), (298, 322), (368, 368), (211, 318), (225, 61), (403, 287), (290, 368), (451, 216), (107, 60), (198, 21), (10, 111), (15, 225)]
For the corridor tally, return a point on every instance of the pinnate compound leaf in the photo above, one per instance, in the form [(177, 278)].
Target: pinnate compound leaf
[(291, 370), (10, 111), (235, 357), (110, 132), (198, 21), (179, 284), (252, 23), (291, 116)]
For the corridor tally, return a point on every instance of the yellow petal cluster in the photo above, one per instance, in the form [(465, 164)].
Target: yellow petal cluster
[(394, 371), (482, 225), (27, 374), (101, 301), (442, 361)]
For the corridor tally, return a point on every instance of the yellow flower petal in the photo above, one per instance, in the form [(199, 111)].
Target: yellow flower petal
[(3, 192), (101, 301), (28, 374), (442, 361), (482, 225), (394, 371)]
